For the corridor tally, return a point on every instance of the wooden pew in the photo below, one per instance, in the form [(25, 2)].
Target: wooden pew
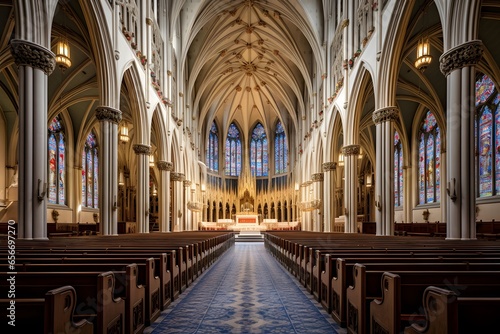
[(95, 295), (447, 313), (53, 313), (367, 287), (146, 277)]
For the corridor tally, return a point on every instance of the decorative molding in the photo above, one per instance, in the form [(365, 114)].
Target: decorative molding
[(142, 149), (463, 55), (186, 183), (177, 176), (165, 165), (318, 177), (34, 55), (306, 184), (329, 166), (350, 150), (385, 114), (103, 113)]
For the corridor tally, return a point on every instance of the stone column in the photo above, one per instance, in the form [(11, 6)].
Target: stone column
[(457, 64), (35, 63), (187, 196), (318, 179), (142, 199), (351, 153), (109, 119), (384, 172), (165, 168), (177, 207), (329, 194)]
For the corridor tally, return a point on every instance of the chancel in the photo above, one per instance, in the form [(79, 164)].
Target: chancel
[(156, 146)]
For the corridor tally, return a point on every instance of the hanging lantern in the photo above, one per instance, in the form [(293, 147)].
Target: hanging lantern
[(424, 57), (124, 138), (151, 160), (341, 159), (63, 59)]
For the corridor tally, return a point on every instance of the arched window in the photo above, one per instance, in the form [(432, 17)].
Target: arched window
[(258, 151), (398, 170), (90, 172), (212, 157), (280, 150), (57, 162), (233, 151), (487, 132), (429, 152)]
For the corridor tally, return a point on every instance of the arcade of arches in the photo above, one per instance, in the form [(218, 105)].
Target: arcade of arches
[(168, 115)]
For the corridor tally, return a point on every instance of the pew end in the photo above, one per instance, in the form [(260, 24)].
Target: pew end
[(60, 305), (384, 313)]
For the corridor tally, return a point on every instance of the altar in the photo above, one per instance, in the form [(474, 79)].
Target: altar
[(245, 218)]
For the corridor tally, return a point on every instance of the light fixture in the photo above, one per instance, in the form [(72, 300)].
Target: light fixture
[(151, 160), (341, 159), (121, 179), (63, 56), (360, 155), (369, 180), (424, 57), (124, 138)]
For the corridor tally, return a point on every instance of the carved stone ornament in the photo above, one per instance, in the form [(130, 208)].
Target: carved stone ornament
[(329, 166), (165, 165), (108, 114), (186, 183), (318, 177), (385, 114), (466, 54), (350, 150), (142, 149), (306, 184), (177, 177), (34, 55)]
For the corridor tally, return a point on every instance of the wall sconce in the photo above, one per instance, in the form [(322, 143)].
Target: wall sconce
[(151, 160), (62, 53), (425, 215), (124, 138)]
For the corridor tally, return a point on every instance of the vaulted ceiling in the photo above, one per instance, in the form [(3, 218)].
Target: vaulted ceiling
[(249, 63)]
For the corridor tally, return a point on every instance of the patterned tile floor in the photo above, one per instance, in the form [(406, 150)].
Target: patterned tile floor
[(245, 291)]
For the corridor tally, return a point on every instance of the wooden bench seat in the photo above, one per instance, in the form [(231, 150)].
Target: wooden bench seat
[(447, 313), (95, 295), (370, 285), (54, 313)]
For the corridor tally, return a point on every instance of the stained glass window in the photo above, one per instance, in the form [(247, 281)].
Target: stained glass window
[(56, 158), (233, 151), (398, 170), (487, 134), (429, 151), (280, 150), (258, 151), (212, 157), (90, 172)]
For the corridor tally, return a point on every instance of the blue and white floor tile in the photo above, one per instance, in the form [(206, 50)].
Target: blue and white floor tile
[(246, 291)]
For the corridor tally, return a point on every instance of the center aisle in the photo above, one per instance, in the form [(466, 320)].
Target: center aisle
[(246, 291)]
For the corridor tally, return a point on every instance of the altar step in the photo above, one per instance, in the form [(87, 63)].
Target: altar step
[(249, 236)]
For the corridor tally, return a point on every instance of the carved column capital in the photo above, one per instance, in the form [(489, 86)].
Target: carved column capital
[(103, 113), (177, 177), (165, 165), (329, 166), (142, 149), (186, 183), (34, 55), (350, 150), (463, 55), (318, 177), (385, 114)]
